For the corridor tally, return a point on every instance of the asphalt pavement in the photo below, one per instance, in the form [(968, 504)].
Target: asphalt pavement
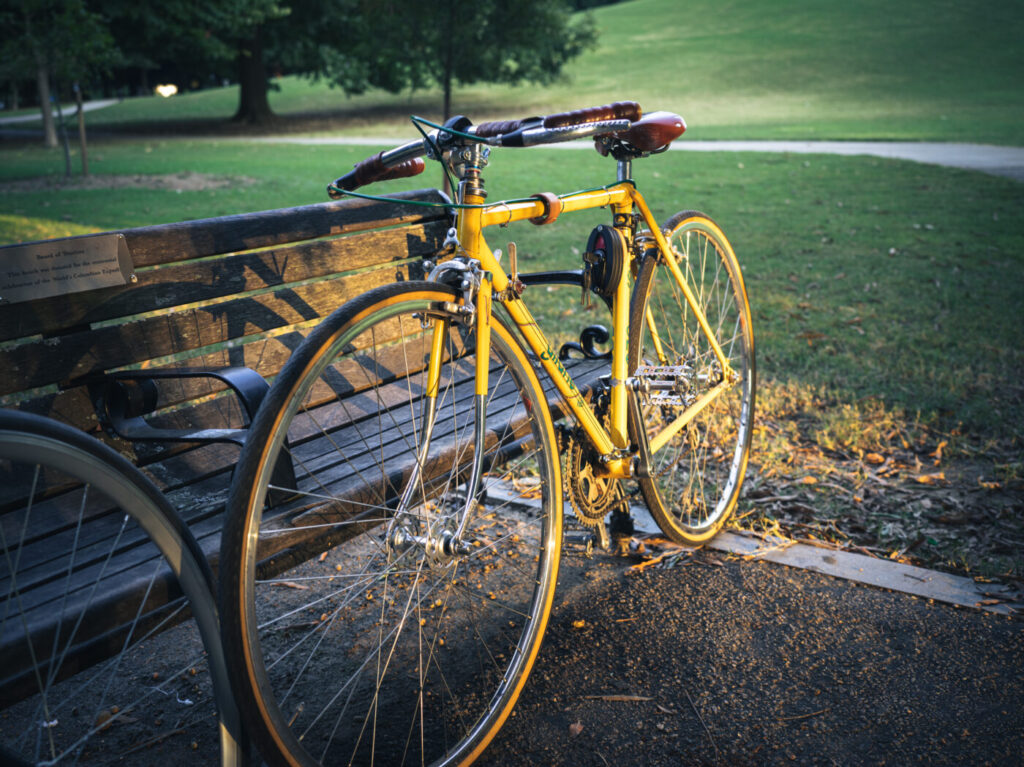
[(719, 661)]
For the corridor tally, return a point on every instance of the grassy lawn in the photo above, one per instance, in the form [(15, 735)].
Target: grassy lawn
[(886, 295), (918, 69)]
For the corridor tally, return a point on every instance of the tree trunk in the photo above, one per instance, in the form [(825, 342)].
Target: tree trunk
[(14, 102), (447, 97), (253, 106), (446, 86), (449, 63), (81, 130), (43, 84), (64, 138)]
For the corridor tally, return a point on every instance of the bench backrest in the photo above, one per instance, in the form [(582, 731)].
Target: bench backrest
[(232, 291)]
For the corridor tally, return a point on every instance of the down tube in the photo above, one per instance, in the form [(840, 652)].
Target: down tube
[(538, 343)]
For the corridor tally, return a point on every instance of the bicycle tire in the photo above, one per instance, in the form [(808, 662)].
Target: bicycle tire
[(697, 475), (54, 709), (352, 648)]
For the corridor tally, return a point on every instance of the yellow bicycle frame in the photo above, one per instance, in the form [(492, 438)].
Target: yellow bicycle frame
[(612, 443)]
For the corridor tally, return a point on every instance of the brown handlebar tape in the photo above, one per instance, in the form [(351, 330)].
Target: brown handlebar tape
[(373, 169), (620, 110), (412, 167), (501, 127)]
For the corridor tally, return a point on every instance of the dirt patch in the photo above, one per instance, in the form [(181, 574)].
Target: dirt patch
[(186, 181), (872, 480)]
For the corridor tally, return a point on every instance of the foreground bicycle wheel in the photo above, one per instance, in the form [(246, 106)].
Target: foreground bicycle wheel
[(74, 517), (373, 621), (696, 475)]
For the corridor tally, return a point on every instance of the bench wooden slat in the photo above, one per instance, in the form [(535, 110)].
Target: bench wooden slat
[(72, 356), (165, 243), (202, 280)]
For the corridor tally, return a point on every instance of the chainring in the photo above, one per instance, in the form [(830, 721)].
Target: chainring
[(592, 496)]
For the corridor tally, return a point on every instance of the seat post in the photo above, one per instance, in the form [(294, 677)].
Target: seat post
[(625, 169)]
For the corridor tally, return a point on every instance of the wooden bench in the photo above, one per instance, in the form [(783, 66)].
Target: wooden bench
[(238, 292)]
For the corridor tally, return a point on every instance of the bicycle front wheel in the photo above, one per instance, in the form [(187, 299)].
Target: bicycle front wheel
[(383, 614), (699, 429)]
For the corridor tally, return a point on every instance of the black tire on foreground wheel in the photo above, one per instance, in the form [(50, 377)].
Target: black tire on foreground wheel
[(366, 635), (696, 475), (76, 515)]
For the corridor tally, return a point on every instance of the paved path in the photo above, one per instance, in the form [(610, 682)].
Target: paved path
[(720, 662), (996, 160), (88, 106)]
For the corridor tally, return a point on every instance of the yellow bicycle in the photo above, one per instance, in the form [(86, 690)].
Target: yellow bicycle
[(388, 607)]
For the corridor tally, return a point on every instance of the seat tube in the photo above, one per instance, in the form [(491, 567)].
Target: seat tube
[(620, 338)]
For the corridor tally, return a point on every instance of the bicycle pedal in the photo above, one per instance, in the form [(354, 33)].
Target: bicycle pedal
[(665, 384), (584, 539)]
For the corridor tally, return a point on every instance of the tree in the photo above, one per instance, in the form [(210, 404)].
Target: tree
[(62, 40), (243, 25), (175, 35), (195, 41), (411, 44)]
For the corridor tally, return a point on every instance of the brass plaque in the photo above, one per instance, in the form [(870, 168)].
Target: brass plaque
[(59, 267)]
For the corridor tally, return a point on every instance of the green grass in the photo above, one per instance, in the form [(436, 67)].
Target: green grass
[(869, 277), (863, 69), (886, 295)]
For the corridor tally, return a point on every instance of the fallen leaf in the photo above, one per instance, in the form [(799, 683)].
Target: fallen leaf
[(810, 336), (579, 624), (575, 728), (292, 585), (874, 458), (809, 480), (988, 485), (931, 479)]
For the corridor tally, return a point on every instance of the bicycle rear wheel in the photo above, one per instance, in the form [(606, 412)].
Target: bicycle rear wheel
[(696, 474), (375, 620), (77, 683)]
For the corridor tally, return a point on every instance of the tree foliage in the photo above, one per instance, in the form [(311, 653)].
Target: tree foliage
[(410, 44), (54, 40), (394, 45)]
